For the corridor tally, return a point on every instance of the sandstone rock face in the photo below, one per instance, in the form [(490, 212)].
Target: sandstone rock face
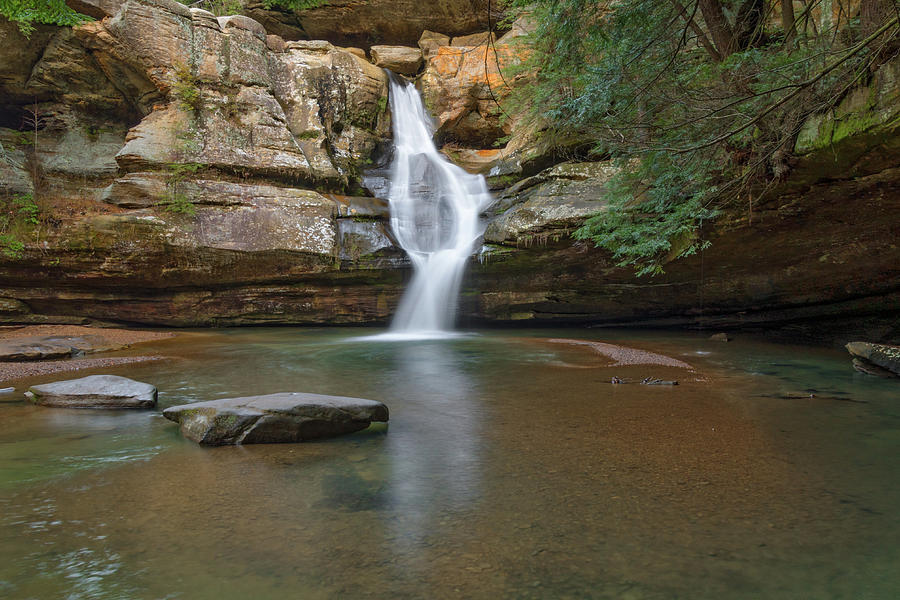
[(96, 8), (466, 85), (399, 59), (95, 391), (335, 106), (13, 173), (483, 38), (462, 86), (859, 137), (158, 84), (199, 172), (363, 23), (881, 355), (775, 269), (274, 418), (550, 204), (430, 41), (161, 102)]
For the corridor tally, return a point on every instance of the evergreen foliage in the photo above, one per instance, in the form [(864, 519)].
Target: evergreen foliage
[(294, 5), (25, 13), (220, 8), (699, 101)]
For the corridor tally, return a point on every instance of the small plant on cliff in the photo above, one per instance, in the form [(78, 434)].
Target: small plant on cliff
[(294, 5), (176, 201), (10, 246), (220, 8), (187, 88), (27, 208), (19, 216), (26, 13), (181, 169)]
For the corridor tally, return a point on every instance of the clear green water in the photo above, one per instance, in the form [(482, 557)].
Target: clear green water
[(510, 469)]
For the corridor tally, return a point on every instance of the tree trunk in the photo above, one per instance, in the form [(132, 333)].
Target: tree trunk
[(787, 19), (873, 13), (749, 22), (719, 28), (701, 36)]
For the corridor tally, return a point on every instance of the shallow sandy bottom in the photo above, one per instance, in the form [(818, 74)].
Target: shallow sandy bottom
[(504, 473)]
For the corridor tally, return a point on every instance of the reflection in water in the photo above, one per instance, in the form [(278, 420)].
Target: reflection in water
[(435, 462)]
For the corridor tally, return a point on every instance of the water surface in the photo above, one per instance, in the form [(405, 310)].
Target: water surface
[(511, 468)]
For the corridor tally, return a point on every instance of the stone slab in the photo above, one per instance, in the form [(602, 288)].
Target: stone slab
[(274, 418), (94, 391)]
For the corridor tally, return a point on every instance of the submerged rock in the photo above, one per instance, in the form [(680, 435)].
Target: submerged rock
[(48, 347), (273, 418), (882, 356), (94, 391)]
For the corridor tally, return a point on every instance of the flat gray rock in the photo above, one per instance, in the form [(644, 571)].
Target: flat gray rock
[(94, 391), (274, 418)]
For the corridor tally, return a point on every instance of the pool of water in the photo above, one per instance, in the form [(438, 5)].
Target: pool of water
[(511, 468)]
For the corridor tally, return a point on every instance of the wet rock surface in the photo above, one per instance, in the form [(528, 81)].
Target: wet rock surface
[(876, 359), (94, 391), (274, 418)]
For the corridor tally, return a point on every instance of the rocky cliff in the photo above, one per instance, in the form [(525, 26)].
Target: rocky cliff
[(198, 170)]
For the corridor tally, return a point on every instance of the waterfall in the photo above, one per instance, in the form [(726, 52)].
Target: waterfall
[(435, 208)]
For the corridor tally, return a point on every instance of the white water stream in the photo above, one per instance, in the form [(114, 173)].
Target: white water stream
[(435, 208)]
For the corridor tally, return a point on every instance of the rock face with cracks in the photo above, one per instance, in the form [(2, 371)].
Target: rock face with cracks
[(95, 391), (285, 417), (366, 22), (199, 170)]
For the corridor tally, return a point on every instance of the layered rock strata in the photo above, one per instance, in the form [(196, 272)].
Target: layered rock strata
[(203, 171)]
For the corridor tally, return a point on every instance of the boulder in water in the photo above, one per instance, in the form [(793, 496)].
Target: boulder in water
[(883, 356), (94, 391), (274, 418)]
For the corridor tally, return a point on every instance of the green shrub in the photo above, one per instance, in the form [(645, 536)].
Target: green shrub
[(25, 13), (187, 88)]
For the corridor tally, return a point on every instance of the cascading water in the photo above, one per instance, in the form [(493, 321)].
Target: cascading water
[(435, 208)]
